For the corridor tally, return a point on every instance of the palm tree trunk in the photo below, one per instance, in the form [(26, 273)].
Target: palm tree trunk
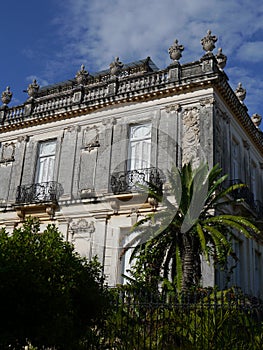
[(188, 263)]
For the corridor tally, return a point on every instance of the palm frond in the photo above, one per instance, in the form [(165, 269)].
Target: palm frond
[(203, 242)]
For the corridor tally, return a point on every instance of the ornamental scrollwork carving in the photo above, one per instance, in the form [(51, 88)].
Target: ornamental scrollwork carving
[(8, 152), (81, 229), (191, 135)]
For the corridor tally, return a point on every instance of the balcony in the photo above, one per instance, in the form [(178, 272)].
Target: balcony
[(244, 193), (133, 180), (38, 193)]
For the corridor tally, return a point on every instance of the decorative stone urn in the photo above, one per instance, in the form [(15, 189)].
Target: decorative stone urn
[(240, 92), (6, 96), (32, 89), (256, 119), (208, 42), (175, 51), (221, 59), (115, 67), (82, 75)]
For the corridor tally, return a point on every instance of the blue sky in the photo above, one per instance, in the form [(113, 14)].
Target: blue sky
[(49, 40)]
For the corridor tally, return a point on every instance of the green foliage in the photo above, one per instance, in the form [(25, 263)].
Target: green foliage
[(211, 321), (48, 293), (170, 245)]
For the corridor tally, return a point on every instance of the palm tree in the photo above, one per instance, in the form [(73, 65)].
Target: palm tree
[(171, 241)]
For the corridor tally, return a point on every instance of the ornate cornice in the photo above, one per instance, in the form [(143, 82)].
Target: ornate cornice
[(134, 84)]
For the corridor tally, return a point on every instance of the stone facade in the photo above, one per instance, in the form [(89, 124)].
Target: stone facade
[(73, 153)]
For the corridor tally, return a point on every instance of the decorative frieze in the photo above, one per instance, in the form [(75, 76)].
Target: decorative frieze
[(191, 135)]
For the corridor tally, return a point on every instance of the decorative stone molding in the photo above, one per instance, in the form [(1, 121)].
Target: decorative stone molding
[(72, 128), (109, 121), (23, 138), (81, 227), (207, 102), (8, 152), (246, 144), (86, 193), (134, 215), (173, 108), (191, 135), (91, 138)]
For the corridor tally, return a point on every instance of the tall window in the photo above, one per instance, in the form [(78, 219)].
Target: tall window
[(235, 161), (253, 177), (46, 161), (140, 146)]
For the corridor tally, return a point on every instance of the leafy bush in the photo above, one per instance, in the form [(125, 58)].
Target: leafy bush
[(49, 294)]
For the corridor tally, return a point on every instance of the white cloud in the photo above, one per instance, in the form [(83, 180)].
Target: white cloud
[(251, 52), (100, 30), (94, 32)]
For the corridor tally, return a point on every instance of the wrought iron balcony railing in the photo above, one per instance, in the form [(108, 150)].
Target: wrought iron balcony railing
[(242, 193), (248, 197), (38, 193), (132, 180)]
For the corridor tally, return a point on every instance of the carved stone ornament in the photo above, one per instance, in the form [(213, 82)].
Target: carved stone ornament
[(8, 152), (82, 75), (240, 92), (173, 108), (32, 89), (91, 138), (6, 96), (256, 119), (191, 136), (81, 227), (208, 42), (175, 51), (221, 59), (115, 67)]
